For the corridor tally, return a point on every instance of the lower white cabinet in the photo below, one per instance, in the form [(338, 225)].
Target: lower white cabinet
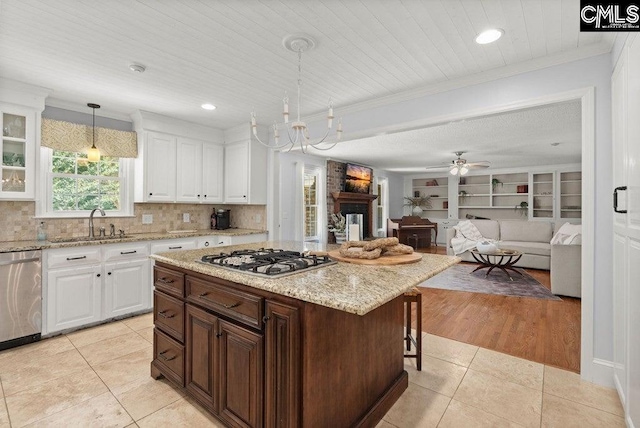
[(73, 297), (126, 288), (248, 239), (86, 285)]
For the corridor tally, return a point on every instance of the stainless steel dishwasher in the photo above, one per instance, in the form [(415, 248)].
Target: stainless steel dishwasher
[(20, 298)]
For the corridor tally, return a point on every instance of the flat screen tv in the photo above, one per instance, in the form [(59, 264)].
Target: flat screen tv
[(357, 178)]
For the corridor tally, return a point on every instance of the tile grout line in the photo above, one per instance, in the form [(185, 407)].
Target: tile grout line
[(573, 401), (102, 381), (4, 402), (445, 411)]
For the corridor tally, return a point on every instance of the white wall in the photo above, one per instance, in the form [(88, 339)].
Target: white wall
[(396, 191), (500, 94), (284, 216)]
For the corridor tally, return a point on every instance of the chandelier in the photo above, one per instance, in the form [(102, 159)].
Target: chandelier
[(297, 131)]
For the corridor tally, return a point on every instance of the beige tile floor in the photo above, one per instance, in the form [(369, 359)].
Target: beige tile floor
[(100, 377)]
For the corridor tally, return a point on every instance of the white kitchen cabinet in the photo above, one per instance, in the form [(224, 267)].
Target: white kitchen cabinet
[(127, 283), (84, 285), (73, 297), (248, 239), (173, 245), (199, 171), (127, 287), (156, 168), (212, 173), (18, 147), (213, 241), (245, 173)]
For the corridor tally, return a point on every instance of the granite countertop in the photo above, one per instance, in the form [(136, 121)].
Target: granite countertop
[(348, 287), (11, 246)]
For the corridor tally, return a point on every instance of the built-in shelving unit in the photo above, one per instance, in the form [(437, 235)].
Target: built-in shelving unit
[(546, 195), (437, 189), (570, 195), (542, 195)]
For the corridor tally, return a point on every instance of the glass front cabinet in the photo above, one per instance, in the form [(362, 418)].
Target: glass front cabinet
[(18, 153)]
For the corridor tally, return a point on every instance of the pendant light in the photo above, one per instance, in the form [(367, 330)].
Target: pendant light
[(94, 154)]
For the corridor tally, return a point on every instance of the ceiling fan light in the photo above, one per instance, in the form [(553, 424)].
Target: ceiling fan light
[(453, 170), (464, 170)]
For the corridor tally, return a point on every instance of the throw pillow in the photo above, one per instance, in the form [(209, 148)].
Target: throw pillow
[(568, 234)]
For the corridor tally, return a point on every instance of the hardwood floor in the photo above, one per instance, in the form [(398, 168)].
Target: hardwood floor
[(545, 331)]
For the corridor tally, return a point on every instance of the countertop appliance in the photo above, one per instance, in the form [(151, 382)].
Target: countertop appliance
[(223, 221), (268, 262), (20, 298)]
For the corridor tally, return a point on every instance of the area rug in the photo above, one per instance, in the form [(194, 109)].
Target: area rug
[(461, 277)]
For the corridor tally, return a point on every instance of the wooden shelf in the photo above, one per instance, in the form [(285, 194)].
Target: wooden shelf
[(474, 194), (571, 194), (511, 194), (428, 187), (571, 181)]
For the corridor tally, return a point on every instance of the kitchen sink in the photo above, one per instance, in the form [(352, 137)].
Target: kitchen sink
[(87, 239)]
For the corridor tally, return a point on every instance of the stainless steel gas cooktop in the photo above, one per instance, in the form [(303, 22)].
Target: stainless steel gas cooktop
[(267, 261)]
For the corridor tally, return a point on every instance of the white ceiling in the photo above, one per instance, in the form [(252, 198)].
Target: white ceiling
[(230, 53), (515, 139)]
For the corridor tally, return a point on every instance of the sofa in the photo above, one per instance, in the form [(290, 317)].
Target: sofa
[(532, 238)]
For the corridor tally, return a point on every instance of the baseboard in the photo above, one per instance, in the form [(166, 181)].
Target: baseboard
[(616, 381), (601, 373)]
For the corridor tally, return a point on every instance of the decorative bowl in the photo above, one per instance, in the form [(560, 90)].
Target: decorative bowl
[(486, 247)]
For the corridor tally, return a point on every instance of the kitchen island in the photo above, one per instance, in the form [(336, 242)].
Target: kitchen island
[(318, 348)]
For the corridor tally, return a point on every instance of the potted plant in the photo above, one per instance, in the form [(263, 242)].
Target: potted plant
[(417, 203), (495, 183), (338, 227), (522, 208), (463, 195)]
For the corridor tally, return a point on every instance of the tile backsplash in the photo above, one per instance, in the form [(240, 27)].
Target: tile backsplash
[(17, 220)]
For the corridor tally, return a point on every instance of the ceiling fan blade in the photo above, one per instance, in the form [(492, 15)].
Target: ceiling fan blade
[(442, 167), (477, 165)]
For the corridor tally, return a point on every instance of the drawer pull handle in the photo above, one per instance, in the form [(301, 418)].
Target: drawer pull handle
[(175, 248), (205, 294), (129, 252), (164, 280), (163, 314), (76, 258), (164, 357)]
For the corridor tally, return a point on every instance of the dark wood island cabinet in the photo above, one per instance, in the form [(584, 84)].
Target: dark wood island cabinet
[(256, 358)]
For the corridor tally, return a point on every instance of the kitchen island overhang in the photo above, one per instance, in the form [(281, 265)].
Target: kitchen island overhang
[(319, 348)]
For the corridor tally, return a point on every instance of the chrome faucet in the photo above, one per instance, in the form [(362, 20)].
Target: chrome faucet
[(91, 235)]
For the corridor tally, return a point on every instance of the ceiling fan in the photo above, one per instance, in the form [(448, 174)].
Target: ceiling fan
[(460, 166)]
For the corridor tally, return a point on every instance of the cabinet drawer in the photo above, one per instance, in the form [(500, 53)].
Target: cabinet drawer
[(168, 356), (69, 257), (125, 252), (168, 315), (173, 245), (169, 281), (244, 307)]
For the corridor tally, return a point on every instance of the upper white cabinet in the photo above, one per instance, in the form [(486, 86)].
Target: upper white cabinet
[(156, 168), (177, 161), (18, 148), (245, 166), (199, 171), (20, 108)]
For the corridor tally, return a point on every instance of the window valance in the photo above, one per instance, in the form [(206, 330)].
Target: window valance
[(72, 137)]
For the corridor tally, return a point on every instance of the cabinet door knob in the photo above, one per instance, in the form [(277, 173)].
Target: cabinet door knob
[(150, 194), (218, 334), (198, 195), (109, 273), (265, 318), (205, 196), (98, 275)]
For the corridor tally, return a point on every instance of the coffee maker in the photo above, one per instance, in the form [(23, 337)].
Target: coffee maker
[(223, 221)]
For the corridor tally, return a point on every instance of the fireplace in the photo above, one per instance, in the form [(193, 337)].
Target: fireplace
[(356, 203)]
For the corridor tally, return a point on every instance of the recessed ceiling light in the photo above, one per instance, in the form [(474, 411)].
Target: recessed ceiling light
[(138, 68), (489, 36), (208, 106)]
